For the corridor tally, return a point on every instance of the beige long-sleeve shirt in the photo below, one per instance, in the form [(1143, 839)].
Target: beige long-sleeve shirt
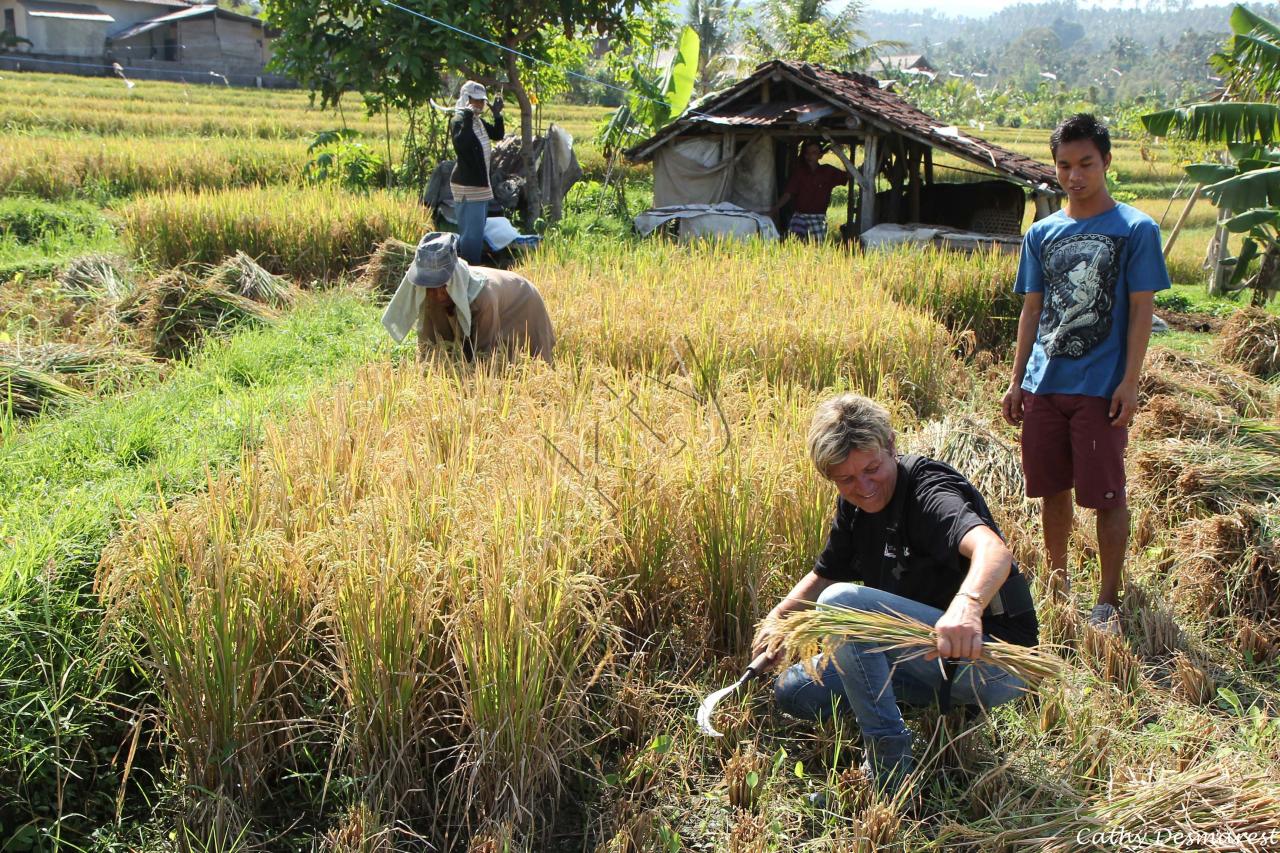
[(507, 315)]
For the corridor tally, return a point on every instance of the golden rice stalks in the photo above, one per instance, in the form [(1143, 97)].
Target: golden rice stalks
[(24, 392), (803, 634), (84, 365), (1204, 807), (1192, 681), (386, 266), (1251, 339)]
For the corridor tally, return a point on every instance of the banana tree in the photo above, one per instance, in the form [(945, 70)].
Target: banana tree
[(1245, 121), (656, 101)]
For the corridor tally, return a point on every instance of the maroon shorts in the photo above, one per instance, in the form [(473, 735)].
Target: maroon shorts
[(1068, 442)]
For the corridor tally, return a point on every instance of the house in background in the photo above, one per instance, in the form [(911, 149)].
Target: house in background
[(160, 39), (910, 63)]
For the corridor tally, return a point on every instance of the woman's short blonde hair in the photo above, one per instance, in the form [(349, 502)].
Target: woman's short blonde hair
[(844, 424)]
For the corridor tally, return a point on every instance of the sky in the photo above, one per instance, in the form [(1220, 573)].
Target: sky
[(980, 8)]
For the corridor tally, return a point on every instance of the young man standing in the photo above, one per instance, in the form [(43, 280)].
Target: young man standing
[(1089, 274)]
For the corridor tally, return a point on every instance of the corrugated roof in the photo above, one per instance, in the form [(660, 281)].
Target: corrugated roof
[(861, 96), (770, 114), (65, 11), (180, 15)]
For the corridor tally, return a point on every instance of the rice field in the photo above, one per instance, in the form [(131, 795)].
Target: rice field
[(268, 584)]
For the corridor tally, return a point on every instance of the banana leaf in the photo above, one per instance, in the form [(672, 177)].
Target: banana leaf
[(1222, 123), (1259, 188)]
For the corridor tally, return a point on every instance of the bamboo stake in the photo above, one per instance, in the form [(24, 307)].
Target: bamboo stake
[(1182, 219)]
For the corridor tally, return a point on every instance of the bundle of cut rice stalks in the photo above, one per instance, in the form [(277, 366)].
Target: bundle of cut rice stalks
[(174, 312), (1177, 374), (82, 364), (90, 278), (1251, 339), (1206, 807), (241, 275), (1189, 476), (974, 448), (806, 633), (386, 266), (24, 392), (1229, 565), (1166, 416)]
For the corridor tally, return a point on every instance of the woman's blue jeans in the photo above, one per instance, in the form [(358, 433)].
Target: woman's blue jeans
[(472, 216), (870, 682)]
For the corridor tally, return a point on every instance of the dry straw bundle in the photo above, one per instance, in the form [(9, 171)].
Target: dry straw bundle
[(1230, 565), (91, 278), (241, 275), (1208, 806), (1251, 339), (1190, 476), (174, 312), (821, 628), (1166, 416), (83, 365), (1180, 375), (25, 392), (386, 266)]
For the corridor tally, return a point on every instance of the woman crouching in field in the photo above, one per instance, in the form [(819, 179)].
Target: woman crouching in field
[(485, 310)]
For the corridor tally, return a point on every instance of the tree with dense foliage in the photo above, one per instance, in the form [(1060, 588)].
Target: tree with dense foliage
[(809, 31), (1246, 121), (719, 25), (398, 60)]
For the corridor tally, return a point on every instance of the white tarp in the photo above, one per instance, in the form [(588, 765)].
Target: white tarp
[(889, 235), (708, 220), (754, 184)]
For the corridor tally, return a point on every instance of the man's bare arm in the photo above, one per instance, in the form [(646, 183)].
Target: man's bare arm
[(1124, 402), (1028, 325), (960, 628)]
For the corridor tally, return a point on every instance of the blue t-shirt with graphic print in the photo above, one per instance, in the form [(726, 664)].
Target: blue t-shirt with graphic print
[(1086, 269)]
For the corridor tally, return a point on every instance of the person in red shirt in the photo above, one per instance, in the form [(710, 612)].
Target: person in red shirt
[(809, 191)]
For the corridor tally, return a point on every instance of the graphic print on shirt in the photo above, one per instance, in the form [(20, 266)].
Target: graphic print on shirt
[(1080, 287)]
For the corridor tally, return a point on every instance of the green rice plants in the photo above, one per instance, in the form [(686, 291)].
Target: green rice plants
[(239, 274), (1251, 339), (305, 233), (31, 220)]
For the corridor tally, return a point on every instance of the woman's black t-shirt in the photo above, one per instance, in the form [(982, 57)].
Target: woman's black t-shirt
[(940, 508)]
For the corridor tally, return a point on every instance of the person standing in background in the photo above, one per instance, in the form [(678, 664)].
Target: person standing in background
[(469, 182)]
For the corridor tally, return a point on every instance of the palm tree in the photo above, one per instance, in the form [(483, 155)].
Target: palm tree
[(718, 24), (1245, 120), (805, 30)]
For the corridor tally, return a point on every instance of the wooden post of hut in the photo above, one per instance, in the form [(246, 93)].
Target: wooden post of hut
[(867, 183)]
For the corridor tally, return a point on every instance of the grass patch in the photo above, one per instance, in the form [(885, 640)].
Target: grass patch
[(66, 483)]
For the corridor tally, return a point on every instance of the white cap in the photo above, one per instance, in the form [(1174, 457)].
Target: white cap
[(472, 89)]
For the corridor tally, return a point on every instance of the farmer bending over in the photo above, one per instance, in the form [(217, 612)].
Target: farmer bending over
[(913, 536), (486, 310), (809, 192)]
